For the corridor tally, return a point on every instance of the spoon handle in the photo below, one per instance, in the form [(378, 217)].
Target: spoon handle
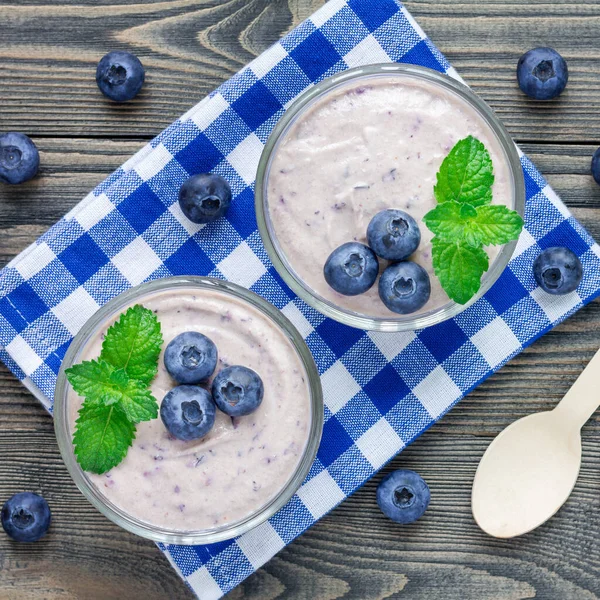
[(582, 400)]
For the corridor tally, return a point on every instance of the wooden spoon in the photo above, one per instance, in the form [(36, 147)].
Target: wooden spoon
[(530, 469)]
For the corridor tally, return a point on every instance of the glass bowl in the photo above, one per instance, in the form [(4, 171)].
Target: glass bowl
[(119, 515), (297, 109)]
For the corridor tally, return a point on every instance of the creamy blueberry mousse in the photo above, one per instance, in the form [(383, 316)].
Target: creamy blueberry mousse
[(234, 417), (356, 170)]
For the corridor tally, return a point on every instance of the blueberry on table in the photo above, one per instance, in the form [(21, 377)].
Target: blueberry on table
[(26, 517), (204, 197), (191, 357), (403, 496), (19, 158), (188, 412), (404, 287), (558, 271), (351, 269), (393, 235), (596, 166), (542, 73), (120, 76), (237, 390)]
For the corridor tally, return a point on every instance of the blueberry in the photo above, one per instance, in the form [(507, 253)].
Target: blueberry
[(120, 76), (403, 496), (542, 73), (404, 287), (393, 234), (351, 269), (26, 517), (558, 271), (596, 166), (238, 390), (19, 158), (191, 357), (205, 197), (188, 412)]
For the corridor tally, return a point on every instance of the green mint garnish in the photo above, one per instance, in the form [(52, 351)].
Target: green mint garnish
[(465, 220), (115, 388)]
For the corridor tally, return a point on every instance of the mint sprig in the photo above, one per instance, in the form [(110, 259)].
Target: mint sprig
[(465, 220), (115, 388)]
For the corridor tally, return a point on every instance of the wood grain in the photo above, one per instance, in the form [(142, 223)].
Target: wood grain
[(48, 53)]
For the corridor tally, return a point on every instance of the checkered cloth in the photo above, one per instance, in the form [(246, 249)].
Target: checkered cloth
[(381, 390)]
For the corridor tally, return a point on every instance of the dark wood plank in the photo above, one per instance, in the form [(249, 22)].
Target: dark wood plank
[(49, 50)]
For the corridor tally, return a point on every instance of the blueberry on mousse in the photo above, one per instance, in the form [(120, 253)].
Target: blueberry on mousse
[(204, 197), (404, 287), (542, 73), (403, 496), (237, 391), (191, 357), (26, 517), (393, 235), (558, 271), (188, 412), (120, 76), (19, 158), (351, 269)]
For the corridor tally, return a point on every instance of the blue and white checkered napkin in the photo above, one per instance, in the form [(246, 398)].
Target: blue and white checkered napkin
[(381, 390)]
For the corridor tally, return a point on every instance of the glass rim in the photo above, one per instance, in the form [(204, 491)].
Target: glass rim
[(149, 530), (266, 229)]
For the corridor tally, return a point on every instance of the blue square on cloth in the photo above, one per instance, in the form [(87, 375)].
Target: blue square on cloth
[(506, 292), (386, 389), (241, 213), (190, 259), (374, 14), (564, 235), (55, 359), (315, 55), (335, 441), (199, 156), (16, 320), (31, 306), (83, 258), (337, 336), (421, 54), (142, 208), (257, 105), (443, 340)]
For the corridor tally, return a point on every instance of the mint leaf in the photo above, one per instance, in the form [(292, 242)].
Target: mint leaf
[(494, 224), (133, 344), (100, 383), (459, 267), (466, 175), (485, 225), (102, 437)]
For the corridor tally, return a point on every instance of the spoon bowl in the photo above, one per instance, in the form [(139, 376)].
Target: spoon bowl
[(526, 475)]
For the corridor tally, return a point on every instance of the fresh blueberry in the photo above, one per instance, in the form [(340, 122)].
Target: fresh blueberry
[(188, 412), (238, 391), (351, 269), (542, 73), (191, 357), (204, 198), (120, 76), (558, 271), (19, 158), (596, 166), (393, 234), (404, 287), (403, 496), (26, 517)]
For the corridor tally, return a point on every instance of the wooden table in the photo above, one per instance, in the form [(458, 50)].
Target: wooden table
[(48, 55)]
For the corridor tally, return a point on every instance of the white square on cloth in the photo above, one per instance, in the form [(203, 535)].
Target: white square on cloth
[(338, 387), (320, 494), (24, 355), (437, 392), (75, 310), (136, 261), (496, 342), (259, 544), (204, 585), (379, 442), (242, 266)]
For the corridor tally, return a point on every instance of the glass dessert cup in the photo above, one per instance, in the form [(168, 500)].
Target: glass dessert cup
[(300, 108), (118, 514)]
